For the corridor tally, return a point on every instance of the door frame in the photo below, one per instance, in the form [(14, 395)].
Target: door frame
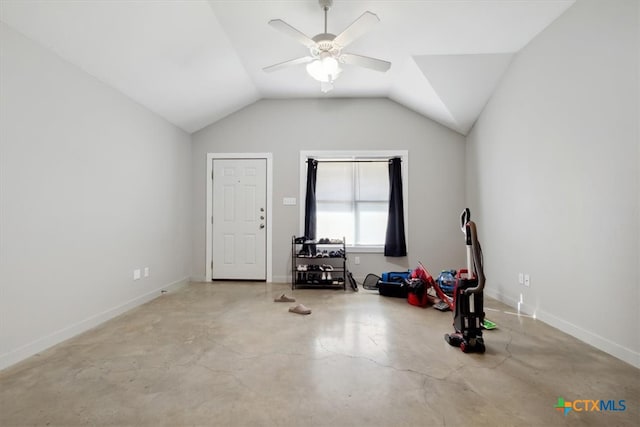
[(209, 207)]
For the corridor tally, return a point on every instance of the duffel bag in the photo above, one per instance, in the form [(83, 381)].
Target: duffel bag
[(393, 289), (395, 276)]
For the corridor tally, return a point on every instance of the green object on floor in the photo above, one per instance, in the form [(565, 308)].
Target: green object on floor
[(488, 324)]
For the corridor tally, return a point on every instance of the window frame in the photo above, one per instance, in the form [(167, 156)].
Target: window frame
[(355, 155)]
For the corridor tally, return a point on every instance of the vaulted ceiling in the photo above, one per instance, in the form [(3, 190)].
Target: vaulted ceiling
[(194, 62)]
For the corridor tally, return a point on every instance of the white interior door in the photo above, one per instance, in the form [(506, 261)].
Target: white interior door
[(239, 219)]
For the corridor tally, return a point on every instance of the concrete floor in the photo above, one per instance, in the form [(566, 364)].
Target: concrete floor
[(225, 354)]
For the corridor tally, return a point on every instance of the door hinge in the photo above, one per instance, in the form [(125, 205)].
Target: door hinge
[(211, 265), (211, 175)]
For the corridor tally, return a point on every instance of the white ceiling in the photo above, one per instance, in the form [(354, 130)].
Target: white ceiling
[(194, 61)]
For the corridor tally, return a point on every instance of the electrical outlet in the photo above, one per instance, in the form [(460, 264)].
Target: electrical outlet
[(521, 278), (527, 280), (146, 272), (356, 260), (136, 274)]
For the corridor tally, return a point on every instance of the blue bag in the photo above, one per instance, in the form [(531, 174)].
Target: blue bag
[(395, 276)]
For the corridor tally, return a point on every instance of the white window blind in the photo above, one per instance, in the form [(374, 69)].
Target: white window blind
[(352, 200)]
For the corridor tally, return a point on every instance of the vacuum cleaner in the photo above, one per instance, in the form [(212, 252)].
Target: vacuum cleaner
[(468, 316)]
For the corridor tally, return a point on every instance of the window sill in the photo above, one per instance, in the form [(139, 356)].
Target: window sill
[(365, 249)]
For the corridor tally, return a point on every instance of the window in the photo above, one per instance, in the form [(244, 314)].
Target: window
[(352, 200), (352, 196)]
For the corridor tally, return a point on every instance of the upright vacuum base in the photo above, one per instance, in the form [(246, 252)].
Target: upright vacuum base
[(473, 345)]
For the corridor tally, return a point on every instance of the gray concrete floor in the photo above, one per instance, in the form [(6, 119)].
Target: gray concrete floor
[(224, 354)]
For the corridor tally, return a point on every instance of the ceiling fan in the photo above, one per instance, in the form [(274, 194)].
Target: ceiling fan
[(323, 62)]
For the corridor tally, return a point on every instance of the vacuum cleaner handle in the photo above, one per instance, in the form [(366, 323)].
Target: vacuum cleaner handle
[(476, 251), (465, 217)]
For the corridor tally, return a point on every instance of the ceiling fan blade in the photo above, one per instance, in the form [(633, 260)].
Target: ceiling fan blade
[(365, 61), (280, 25), (289, 63), (357, 28)]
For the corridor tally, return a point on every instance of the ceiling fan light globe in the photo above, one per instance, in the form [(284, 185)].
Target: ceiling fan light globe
[(326, 69), (330, 66)]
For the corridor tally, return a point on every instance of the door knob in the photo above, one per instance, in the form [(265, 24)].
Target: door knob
[(261, 226), (261, 216)]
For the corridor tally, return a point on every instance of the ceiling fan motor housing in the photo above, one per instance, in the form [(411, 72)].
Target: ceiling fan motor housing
[(324, 43)]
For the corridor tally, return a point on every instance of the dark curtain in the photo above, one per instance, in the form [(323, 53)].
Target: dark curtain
[(395, 243), (310, 200)]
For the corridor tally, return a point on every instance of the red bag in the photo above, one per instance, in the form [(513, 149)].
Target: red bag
[(417, 294)]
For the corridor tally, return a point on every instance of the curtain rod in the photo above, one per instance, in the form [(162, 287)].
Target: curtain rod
[(352, 161)]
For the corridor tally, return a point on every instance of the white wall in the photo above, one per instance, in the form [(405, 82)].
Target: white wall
[(553, 177), (285, 127), (92, 186)]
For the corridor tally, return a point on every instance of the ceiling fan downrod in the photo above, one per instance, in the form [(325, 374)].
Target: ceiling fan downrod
[(325, 5)]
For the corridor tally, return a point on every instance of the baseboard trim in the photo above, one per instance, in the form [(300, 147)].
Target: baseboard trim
[(14, 356), (203, 279), (281, 279), (623, 353)]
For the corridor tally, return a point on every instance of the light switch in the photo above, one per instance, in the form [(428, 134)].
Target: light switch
[(136, 274)]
